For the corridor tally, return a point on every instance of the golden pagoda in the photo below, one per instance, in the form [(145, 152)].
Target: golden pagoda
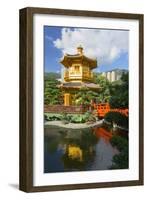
[(77, 74)]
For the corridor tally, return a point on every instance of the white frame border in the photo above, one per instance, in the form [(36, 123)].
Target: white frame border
[(41, 179)]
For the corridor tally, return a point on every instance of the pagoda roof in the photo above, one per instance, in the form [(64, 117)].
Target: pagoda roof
[(69, 59), (78, 85)]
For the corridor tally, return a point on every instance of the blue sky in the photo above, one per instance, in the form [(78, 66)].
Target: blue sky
[(109, 47)]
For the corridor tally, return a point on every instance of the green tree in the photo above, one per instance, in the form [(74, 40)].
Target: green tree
[(84, 96), (52, 92), (104, 93), (119, 93)]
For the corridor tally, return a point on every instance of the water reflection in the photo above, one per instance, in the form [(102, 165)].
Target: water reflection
[(77, 150)]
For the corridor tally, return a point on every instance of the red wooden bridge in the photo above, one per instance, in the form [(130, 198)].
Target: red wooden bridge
[(104, 108)]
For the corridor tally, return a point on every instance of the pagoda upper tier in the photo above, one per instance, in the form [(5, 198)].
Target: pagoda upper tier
[(69, 59), (78, 66)]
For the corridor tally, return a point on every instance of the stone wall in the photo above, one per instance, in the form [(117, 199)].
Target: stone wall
[(65, 109)]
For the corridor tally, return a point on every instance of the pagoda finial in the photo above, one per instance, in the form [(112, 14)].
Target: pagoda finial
[(80, 50)]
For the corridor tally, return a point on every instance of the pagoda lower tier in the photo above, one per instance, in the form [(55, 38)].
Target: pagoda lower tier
[(71, 88)]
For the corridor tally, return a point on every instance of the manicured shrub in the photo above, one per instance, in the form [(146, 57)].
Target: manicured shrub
[(82, 118), (118, 118), (78, 118), (73, 118), (52, 116), (66, 118)]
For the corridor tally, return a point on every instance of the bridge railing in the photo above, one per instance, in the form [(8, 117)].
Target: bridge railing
[(104, 108)]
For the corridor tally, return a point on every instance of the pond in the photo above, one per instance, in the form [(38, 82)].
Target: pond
[(67, 150)]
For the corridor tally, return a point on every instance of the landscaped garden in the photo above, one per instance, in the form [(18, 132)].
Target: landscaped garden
[(73, 118), (116, 94)]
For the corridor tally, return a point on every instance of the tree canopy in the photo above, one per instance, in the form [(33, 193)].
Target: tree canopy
[(119, 93), (52, 93), (115, 93), (104, 93)]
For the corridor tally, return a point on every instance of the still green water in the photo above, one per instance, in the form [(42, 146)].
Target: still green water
[(68, 150)]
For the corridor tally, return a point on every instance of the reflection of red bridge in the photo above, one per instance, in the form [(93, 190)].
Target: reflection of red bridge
[(101, 132), (103, 108)]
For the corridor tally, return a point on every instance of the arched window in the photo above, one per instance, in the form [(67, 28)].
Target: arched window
[(77, 69)]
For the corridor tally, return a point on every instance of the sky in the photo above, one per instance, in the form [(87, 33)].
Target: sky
[(109, 47)]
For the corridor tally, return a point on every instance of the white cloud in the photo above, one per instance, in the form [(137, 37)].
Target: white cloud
[(105, 45), (48, 38)]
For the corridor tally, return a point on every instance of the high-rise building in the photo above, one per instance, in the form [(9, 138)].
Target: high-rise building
[(114, 75)]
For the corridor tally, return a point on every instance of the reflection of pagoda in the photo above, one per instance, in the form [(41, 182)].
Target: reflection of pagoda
[(78, 74), (75, 152)]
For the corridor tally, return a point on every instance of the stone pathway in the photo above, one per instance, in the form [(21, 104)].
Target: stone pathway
[(73, 125)]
